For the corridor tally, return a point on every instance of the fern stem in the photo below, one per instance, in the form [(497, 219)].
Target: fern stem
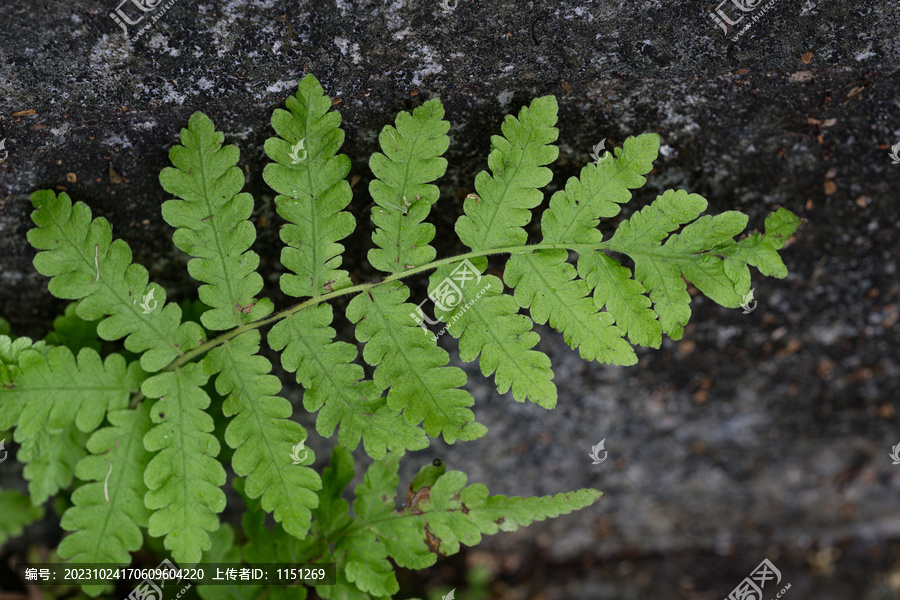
[(363, 287)]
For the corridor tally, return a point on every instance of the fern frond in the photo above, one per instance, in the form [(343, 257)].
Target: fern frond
[(11, 349), (547, 285), (72, 331), (263, 434), (759, 250), (109, 512), (335, 384), (412, 365), (655, 268), (490, 329), (313, 191), (16, 512), (50, 458), (83, 261), (265, 546), (412, 158), (456, 514), (211, 221), (53, 391), (184, 478), (598, 192), (624, 298), (573, 216), (496, 217), (438, 519)]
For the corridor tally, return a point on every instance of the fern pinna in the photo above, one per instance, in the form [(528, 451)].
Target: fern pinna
[(136, 429)]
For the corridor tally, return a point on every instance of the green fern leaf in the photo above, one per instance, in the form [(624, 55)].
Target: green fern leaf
[(313, 191), (455, 514), (211, 221), (262, 433), (546, 284), (402, 192), (411, 365), (50, 458), (490, 329), (640, 237), (624, 298), (183, 478), (333, 520), (496, 218), (265, 546), (573, 216), (362, 563), (83, 261), (11, 349), (437, 519), (690, 251), (72, 331), (16, 512), (759, 250), (574, 212), (335, 384), (108, 514), (55, 390)]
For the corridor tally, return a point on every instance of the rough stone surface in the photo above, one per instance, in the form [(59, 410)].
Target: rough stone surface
[(759, 435)]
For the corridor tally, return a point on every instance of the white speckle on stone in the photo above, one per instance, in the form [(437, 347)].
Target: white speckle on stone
[(62, 130), (75, 18), (160, 42), (345, 46), (505, 98), (282, 85), (867, 53), (117, 140), (146, 125), (399, 35), (809, 8), (172, 95), (508, 68), (240, 134), (431, 67), (204, 83), (667, 150)]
